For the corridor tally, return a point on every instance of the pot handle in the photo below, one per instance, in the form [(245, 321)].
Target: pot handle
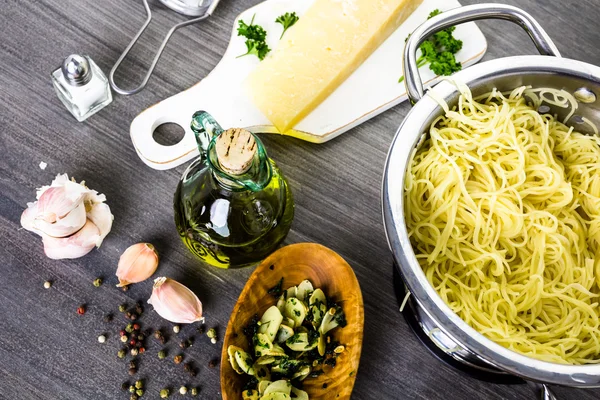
[(460, 15)]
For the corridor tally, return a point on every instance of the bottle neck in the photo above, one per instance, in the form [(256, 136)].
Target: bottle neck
[(254, 179)]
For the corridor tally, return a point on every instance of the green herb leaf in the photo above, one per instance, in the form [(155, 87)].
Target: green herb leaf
[(276, 290), (287, 20), (256, 36), (439, 51)]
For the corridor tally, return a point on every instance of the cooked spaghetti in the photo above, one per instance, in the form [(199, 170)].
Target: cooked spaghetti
[(502, 206)]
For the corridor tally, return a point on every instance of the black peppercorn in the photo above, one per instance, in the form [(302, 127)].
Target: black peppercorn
[(124, 385), (187, 367), (132, 371), (125, 288), (139, 309), (134, 397), (133, 316), (201, 330), (132, 364), (108, 317), (213, 363)]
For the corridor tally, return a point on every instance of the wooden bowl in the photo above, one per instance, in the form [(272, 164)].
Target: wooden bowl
[(326, 270)]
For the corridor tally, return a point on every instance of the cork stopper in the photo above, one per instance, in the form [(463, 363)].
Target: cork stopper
[(235, 150)]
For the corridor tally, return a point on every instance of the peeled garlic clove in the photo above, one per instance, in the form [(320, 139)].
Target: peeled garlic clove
[(137, 264), (175, 302), (65, 226), (74, 246)]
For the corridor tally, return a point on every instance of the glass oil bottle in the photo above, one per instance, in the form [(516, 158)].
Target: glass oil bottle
[(233, 206)]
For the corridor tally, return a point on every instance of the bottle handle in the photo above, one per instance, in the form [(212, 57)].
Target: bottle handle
[(205, 127)]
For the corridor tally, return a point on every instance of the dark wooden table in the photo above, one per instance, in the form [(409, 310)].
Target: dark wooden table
[(47, 351)]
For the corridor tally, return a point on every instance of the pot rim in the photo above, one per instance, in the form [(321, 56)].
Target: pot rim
[(397, 235)]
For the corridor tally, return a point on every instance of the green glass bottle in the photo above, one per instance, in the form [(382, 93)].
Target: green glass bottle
[(233, 207)]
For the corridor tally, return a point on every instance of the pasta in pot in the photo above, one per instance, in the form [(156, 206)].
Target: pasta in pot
[(502, 207)]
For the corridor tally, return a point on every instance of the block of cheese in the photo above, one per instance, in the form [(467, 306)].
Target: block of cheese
[(327, 44)]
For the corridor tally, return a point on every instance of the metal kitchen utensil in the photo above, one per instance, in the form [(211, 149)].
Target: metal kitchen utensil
[(201, 9), (450, 333)]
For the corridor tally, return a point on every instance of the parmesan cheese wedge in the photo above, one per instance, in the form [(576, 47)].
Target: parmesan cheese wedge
[(321, 51)]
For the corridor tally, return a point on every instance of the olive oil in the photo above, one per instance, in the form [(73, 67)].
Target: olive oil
[(233, 207)]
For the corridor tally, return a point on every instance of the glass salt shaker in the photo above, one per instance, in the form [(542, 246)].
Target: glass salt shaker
[(82, 86)]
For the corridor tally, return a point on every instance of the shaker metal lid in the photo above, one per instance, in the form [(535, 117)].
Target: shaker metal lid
[(235, 150), (76, 70)]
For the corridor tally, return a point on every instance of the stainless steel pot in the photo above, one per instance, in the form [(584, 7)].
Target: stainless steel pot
[(444, 327)]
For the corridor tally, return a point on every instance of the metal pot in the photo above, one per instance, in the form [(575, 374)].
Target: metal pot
[(444, 327)]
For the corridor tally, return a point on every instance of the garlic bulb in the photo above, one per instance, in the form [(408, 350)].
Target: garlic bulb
[(70, 218), (175, 302), (137, 264)]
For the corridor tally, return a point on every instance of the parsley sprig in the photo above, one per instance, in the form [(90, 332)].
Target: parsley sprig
[(255, 39), (287, 20), (439, 51)]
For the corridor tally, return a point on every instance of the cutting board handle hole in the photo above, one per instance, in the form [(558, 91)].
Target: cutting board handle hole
[(168, 134)]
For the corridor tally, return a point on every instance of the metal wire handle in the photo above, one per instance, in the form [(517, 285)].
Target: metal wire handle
[(111, 76), (457, 16)]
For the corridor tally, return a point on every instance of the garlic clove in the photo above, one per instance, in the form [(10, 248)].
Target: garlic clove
[(65, 226), (137, 264), (74, 246), (175, 302), (100, 215), (56, 202), (28, 217)]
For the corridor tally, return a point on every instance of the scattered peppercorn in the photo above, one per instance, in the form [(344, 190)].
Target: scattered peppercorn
[(138, 308), (176, 328), (162, 354), (132, 316), (108, 317), (139, 392), (178, 359), (129, 328), (139, 384), (187, 367), (132, 371), (142, 350), (131, 389), (213, 340), (158, 334), (212, 333), (101, 338), (213, 363), (184, 344), (47, 284), (124, 385), (194, 391), (132, 364), (182, 390), (133, 397), (201, 330), (124, 338), (134, 352), (121, 354), (122, 332), (98, 282), (164, 393), (141, 337), (81, 309), (123, 307), (136, 327), (132, 342), (125, 288)]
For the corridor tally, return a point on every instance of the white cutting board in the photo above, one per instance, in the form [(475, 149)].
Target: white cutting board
[(372, 89)]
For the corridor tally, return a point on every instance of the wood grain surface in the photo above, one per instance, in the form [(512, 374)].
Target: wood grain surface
[(47, 351), (327, 271)]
